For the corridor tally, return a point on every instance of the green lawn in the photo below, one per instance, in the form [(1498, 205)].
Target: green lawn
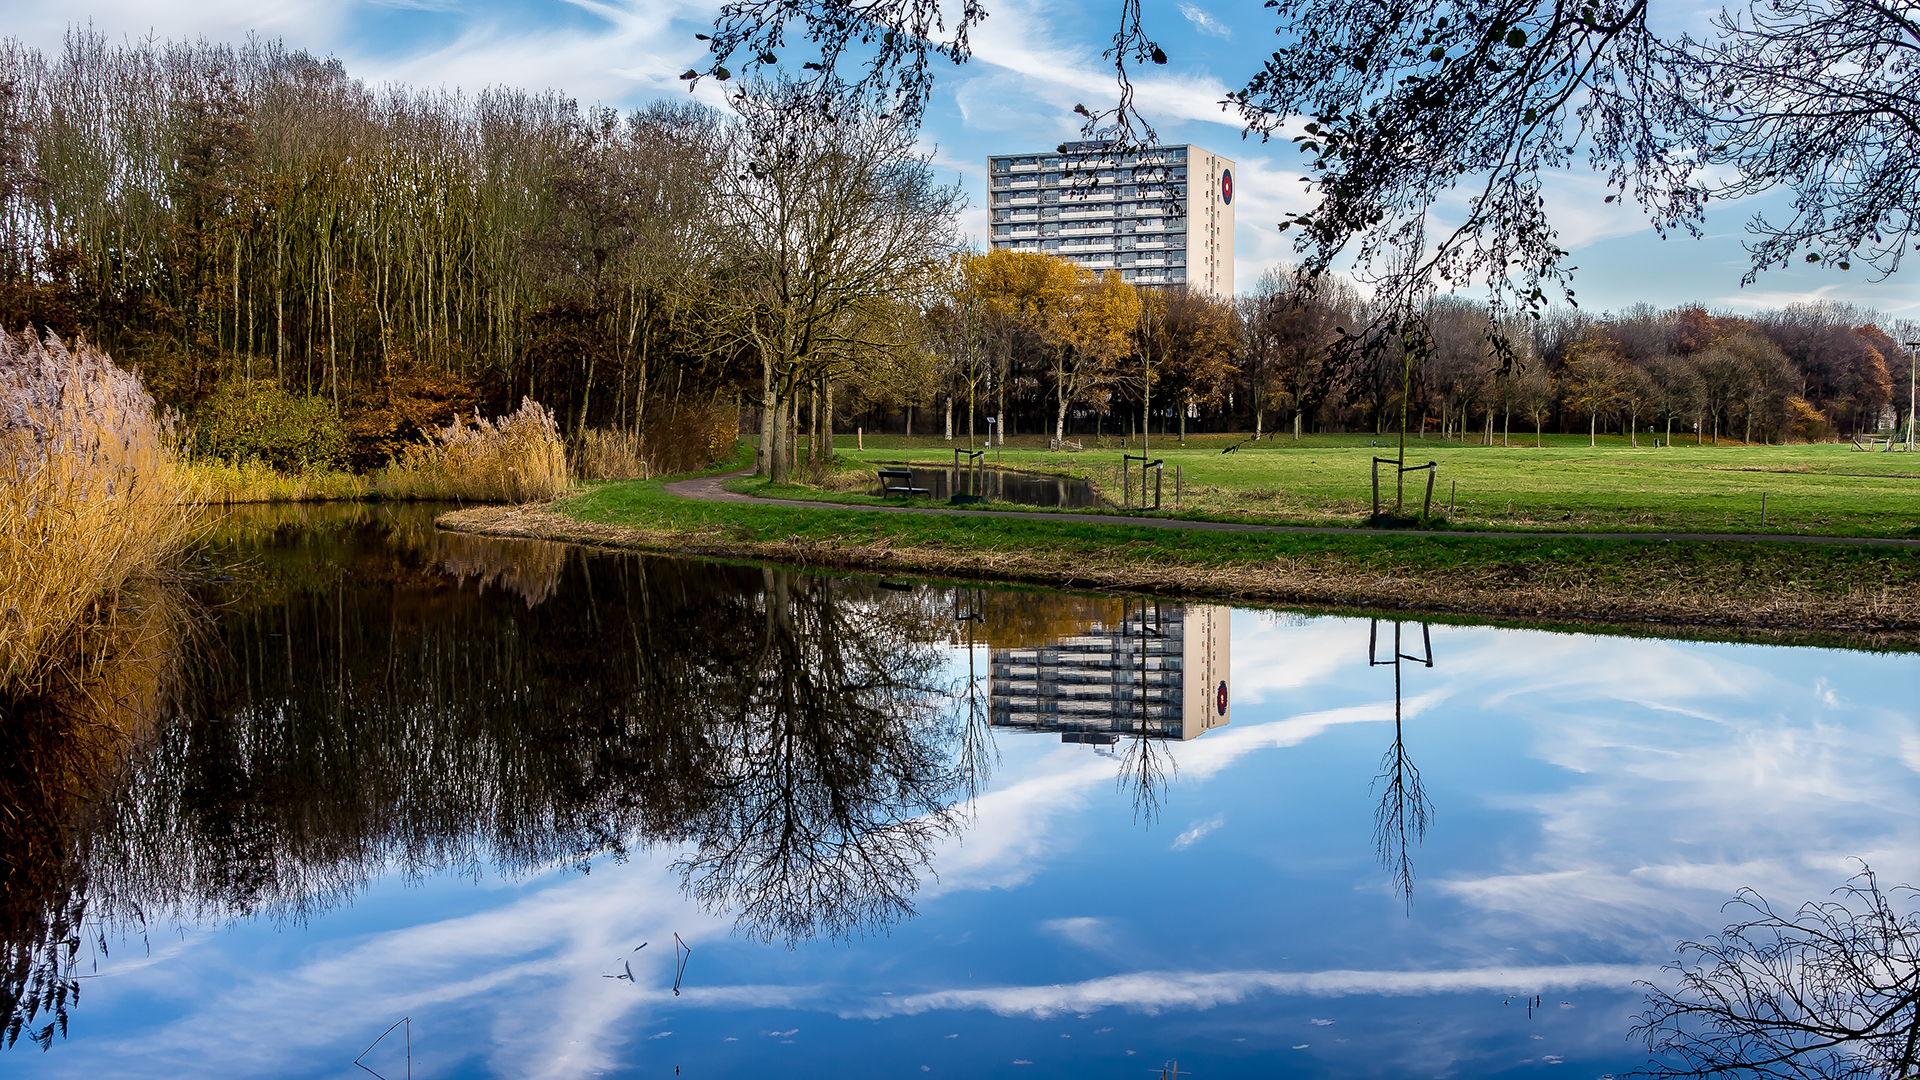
[(1563, 485)]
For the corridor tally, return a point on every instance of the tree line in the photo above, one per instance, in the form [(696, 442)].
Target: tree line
[(286, 253), (256, 231)]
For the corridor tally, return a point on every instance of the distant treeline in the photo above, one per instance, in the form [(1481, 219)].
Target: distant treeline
[(312, 269), (209, 213), (1808, 372)]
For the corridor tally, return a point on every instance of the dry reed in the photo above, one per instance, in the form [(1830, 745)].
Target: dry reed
[(516, 458), (609, 454), (230, 483), (91, 495)]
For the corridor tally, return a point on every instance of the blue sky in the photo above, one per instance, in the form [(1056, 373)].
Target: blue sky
[(1033, 62)]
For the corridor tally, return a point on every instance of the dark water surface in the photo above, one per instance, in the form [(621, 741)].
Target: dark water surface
[(1000, 485), (868, 831)]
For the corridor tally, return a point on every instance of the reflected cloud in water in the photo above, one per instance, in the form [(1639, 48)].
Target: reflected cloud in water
[(747, 754)]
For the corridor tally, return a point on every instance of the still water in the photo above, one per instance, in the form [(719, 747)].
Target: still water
[(1000, 485), (577, 815)]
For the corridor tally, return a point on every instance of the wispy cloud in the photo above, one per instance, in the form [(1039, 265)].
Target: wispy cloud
[(1205, 23), (1197, 830), (1152, 992)]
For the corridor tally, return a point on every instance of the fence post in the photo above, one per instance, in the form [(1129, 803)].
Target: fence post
[(1126, 485), (1376, 489), (1158, 469), (1427, 503)]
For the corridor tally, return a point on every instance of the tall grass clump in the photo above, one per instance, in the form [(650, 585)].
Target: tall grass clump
[(91, 496), (516, 458), (609, 454)]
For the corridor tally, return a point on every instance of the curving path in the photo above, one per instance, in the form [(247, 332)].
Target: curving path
[(709, 489)]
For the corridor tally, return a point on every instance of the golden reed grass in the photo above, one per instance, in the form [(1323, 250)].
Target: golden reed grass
[(517, 458), (609, 454), (91, 495), (231, 483)]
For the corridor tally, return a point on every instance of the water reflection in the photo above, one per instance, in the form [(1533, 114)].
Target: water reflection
[(1400, 821), (999, 485), (376, 694), (1830, 990), (801, 754), (1134, 672)]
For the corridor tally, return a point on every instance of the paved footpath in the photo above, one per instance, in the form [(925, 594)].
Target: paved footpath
[(709, 489)]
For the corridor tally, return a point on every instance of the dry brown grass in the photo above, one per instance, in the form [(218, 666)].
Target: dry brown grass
[(610, 454), (517, 458), (91, 495), (228, 483)]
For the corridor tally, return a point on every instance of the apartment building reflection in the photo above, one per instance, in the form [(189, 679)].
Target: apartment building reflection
[(1159, 670)]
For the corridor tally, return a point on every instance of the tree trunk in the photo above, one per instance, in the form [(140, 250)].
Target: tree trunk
[(1593, 421), (949, 417), (826, 424), (1298, 417), (763, 464)]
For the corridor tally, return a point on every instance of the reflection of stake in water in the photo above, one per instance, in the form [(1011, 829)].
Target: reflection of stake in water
[(628, 965), (1403, 808), (405, 1021), (681, 951)]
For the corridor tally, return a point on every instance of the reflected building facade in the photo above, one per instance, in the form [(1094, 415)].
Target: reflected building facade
[(1161, 671)]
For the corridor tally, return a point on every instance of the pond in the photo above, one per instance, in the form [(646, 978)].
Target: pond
[(559, 814), (1001, 485)]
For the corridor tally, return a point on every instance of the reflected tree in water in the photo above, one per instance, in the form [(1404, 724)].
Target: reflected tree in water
[(977, 752), (834, 770), (1147, 765), (1400, 821), (1830, 990), (372, 700)]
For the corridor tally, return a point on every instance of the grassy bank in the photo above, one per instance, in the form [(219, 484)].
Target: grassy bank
[(1867, 594), (1564, 485)]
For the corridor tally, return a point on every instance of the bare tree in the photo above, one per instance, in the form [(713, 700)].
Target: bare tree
[(825, 213), (1830, 991)]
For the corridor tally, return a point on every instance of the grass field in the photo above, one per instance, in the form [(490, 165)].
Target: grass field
[(1859, 596), (1566, 485)]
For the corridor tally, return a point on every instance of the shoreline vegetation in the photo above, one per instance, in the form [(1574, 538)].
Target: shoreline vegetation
[(1858, 596), (94, 502)]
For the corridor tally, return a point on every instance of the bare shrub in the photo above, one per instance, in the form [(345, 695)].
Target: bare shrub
[(689, 438), (91, 494), (516, 458), (1827, 990)]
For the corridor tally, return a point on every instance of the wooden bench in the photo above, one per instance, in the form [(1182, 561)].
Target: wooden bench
[(904, 487)]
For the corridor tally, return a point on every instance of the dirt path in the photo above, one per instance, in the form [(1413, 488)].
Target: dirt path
[(710, 489)]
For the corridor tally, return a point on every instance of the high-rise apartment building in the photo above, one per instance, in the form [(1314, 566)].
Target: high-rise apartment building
[(1161, 672), (1160, 216)]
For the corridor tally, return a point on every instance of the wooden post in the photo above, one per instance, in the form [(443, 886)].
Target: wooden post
[(1427, 503), (1158, 470), (1452, 490), (1376, 488), (1126, 485), (1763, 509)]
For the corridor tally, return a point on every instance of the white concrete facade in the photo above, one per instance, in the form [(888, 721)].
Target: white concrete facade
[(1162, 216)]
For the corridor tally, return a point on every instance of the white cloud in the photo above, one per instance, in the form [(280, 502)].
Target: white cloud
[(1197, 830), (1205, 23), (1153, 992)]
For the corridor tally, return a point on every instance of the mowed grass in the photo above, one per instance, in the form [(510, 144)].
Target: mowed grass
[(1821, 489), (1088, 552)]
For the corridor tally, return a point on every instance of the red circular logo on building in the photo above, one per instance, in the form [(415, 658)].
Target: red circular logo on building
[(1220, 699), (1226, 186)]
